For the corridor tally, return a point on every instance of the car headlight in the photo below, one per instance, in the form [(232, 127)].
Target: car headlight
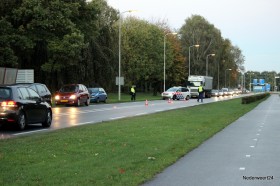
[(73, 97), (57, 97)]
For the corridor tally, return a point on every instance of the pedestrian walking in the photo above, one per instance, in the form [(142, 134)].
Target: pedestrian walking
[(200, 93), (133, 93)]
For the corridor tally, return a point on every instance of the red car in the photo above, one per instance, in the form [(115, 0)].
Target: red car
[(72, 94)]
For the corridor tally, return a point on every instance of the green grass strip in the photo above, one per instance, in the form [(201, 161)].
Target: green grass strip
[(122, 152)]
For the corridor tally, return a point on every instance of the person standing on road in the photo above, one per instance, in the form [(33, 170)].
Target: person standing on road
[(200, 93), (133, 93)]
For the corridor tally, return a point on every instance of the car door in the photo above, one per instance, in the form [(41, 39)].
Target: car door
[(37, 108), (186, 92), (102, 94)]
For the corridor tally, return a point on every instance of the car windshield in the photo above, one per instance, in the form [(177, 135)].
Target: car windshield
[(5, 93), (193, 83), (173, 89), (93, 90), (69, 88)]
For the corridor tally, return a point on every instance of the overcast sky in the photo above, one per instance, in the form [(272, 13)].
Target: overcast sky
[(252, 25)]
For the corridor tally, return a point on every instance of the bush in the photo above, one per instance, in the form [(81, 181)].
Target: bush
[(253, 98)]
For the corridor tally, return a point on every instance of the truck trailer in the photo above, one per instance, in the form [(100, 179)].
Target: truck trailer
[(195, 81)]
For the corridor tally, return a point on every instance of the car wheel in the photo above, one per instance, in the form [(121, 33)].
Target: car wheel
[(87, 102), (48, 120), (105, 100), (21, 122), (78, 102), (174, 97), (187, 97)]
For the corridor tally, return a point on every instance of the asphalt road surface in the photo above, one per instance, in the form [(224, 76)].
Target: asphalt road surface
[(246, 153), (72, 116)]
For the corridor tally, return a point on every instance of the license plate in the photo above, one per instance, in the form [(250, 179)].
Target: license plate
[(63, 101)]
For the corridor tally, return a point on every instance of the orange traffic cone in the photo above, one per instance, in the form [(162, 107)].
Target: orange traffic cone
[(146, 103)]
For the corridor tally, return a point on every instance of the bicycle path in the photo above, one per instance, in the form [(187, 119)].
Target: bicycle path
[(246, 153)]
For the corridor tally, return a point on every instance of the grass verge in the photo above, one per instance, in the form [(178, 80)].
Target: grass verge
[(121, 152)]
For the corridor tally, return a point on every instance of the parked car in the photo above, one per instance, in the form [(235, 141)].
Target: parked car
[(177, 93), (21, 105), (97, 94), (72, 94), (215, 93)]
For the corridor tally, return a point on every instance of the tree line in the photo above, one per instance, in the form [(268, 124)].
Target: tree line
[(78, 42)]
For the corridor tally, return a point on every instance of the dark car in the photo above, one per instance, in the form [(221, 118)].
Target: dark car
[(97, 94), (22, 105), (41, 89), (72, 94)]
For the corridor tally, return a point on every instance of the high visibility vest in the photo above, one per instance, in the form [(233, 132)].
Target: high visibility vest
[(200, 89), (132, 90)]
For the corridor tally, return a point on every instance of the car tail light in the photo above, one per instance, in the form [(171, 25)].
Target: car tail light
[(8, 104), (57, 97)]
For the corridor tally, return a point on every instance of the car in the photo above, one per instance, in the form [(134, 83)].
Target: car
[(97, 94), (214, 93), (72, 94), (221, 93), (21, 105), (176, 93), (230, 92), (41, 89)]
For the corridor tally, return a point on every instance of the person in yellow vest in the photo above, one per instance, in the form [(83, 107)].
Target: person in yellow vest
[(133, 93), (200, 93)]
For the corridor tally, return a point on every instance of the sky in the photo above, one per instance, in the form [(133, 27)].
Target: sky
[(252, 25)]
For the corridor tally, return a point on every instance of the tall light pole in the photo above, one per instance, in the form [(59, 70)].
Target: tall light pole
[(196, 46), (207, 62), (120, 25), (173, 33), (226, 76)]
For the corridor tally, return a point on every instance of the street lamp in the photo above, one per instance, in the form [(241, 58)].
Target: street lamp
[(226, 76), (173, 33), (119, 79), (196, 46), (207, 62)]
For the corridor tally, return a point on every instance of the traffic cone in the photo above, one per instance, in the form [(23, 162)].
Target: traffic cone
[(169, 101), (146, 103)]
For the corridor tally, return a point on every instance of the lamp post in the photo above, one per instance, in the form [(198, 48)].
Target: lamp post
[(226, 75), (119, 79), (173, 33), (196, 46), (207, 62)]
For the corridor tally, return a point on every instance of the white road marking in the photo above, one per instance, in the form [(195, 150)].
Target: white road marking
[(22, 133), (242, 168), (139, 114), (248, 156), (120, 117)]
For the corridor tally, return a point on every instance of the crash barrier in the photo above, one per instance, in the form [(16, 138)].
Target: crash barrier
[(253, 98)]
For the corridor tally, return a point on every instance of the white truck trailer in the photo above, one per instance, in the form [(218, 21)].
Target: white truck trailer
[(195, 81)]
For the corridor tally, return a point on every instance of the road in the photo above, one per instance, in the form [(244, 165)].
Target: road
[(73, 116)]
